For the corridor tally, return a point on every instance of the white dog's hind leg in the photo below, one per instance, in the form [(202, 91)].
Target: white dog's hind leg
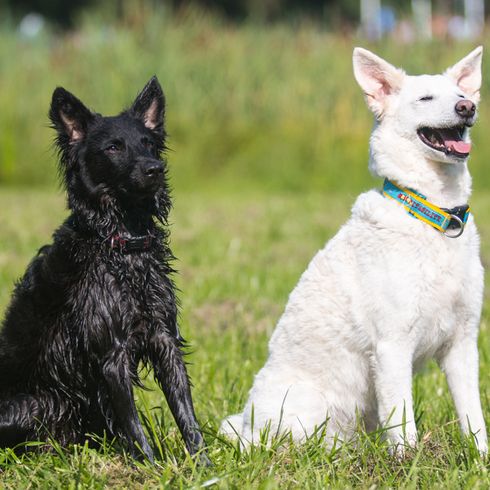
[(460, 364), (302, 409), (299, 408), (393, 372)]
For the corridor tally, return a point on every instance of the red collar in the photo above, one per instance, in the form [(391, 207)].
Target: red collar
[(131, 244)]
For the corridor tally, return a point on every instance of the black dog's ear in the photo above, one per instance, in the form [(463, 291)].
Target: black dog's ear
[(149, 106), (69, 116)]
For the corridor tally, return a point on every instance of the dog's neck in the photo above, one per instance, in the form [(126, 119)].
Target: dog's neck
[(97, 211), (108, 219), (443, 184)]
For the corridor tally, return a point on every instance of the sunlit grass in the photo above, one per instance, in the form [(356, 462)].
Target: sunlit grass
[(239, 257), (269, 140)]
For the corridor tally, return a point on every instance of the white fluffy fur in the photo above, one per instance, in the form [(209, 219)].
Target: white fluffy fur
[(388, 291)]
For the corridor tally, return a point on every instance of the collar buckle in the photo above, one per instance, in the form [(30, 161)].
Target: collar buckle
[(457, 224)]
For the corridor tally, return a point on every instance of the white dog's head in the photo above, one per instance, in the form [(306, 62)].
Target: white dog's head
[(419, 119)]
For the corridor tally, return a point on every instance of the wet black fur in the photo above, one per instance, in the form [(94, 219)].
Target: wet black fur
[(85, 315)]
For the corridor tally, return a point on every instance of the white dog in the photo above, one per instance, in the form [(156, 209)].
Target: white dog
[(399, 283)]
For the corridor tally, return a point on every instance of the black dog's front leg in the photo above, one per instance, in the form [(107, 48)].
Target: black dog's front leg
[(171, 374), (119, 390)]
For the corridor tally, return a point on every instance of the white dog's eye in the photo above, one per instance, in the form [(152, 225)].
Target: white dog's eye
[(426, 98)]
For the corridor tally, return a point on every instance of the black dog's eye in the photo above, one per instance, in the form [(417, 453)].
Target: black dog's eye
[(426, 98), (149, 143), (113, 148)]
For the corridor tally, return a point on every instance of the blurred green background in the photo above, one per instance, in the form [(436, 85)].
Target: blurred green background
[(256, 103)]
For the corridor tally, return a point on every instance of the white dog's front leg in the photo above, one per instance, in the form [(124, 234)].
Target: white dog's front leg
[(393, 371), (460, 364)]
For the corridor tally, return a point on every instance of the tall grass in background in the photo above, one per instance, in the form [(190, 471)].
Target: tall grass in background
[(270, 107)]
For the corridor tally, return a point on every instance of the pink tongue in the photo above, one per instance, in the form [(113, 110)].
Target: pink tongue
[(458, 146)]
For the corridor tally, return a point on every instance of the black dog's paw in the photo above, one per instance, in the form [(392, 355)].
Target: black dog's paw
[(203, 460), (142, 454)]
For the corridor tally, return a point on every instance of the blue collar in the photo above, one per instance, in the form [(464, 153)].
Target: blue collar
[(416, 205)]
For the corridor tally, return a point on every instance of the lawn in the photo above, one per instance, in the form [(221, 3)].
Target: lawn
[(268, 148), (239, 255)]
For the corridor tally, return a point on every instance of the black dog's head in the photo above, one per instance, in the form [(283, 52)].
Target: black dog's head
[(116, 160)]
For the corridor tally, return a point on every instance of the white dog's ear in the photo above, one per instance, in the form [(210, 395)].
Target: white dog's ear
[(467, 73), (377, 78)]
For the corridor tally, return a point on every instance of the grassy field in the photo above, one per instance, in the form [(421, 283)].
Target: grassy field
[(239, 257), (269, 138)]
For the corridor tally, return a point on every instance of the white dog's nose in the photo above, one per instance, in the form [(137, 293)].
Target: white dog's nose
[(465, 108)]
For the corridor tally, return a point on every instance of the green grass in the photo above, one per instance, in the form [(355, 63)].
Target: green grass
[(239, 257), (269, 140)]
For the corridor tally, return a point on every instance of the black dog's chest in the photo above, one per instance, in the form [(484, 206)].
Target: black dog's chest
[(125, 295), (130, 283), (132, 274)]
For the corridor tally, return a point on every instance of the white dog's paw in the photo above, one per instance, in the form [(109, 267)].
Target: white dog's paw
[(400, 444), (400, 450)]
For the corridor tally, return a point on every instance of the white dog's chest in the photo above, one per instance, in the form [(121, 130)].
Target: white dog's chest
[(422, 283), (385, 277), (388, 277)]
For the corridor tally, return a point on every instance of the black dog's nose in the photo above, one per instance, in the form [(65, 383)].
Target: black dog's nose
[(153, 169), (465, 108)]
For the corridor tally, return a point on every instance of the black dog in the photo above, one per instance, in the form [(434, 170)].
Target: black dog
[(99, 300)]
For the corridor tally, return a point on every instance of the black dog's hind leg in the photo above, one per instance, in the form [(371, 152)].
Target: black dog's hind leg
[(119, 390), (171, 374), (18, 420)]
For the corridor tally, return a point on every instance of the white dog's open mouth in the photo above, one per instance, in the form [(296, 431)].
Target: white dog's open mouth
[(448, 140)]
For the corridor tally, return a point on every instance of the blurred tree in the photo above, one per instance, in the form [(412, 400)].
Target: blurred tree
[(333, 13), (62, 12), (329, 10)]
